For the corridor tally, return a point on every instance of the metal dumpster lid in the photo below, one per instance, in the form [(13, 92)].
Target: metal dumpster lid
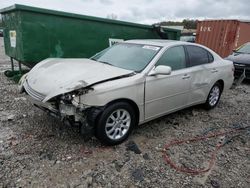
[(68, 14)]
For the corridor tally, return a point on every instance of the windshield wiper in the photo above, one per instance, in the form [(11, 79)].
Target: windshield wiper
[(238, 52), (241, 53), (106, 63)]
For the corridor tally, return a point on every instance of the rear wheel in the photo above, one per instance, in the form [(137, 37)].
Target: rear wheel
[(115, 123), (213, 96)]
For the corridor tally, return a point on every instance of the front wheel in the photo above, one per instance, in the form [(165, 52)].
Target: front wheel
[(115, 123), (213, 96)]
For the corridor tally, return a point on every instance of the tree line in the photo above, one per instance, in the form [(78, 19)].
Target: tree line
[(187, 23)]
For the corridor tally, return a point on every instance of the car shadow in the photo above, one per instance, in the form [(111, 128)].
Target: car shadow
[(61, 134), (169, 121)]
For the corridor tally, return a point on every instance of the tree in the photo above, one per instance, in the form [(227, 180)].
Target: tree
[(187, 23), (112, 16)]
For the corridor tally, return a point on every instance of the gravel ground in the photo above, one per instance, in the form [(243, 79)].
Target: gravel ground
[(39, 151)]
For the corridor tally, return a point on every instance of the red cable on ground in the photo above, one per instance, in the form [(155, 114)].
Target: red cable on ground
[(168, 160)]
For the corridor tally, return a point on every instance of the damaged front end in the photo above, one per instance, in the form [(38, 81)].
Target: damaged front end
[(68, 108), (69, 104), (60, 87)]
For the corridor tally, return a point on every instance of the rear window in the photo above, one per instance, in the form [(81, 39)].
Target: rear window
[(210, 57), (199, 56)]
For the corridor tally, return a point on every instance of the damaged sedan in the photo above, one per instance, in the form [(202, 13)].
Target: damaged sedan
[(127, 84)]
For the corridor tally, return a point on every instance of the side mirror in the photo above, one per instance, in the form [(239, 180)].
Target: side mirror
[(160, 70)]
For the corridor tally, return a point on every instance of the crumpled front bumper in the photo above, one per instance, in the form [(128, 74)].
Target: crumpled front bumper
[(57, 107), (65, 111), (47, 107)]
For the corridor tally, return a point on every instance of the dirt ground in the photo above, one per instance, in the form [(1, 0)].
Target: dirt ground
[(37, 150)]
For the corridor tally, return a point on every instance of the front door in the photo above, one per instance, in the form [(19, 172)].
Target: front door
[(167, 93)]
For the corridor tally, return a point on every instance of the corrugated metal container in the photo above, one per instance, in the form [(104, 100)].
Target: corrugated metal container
[(33, 34), (173, 34), (223, 36)]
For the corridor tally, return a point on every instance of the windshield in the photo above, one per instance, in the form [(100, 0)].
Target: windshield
[(244, 49), (128, 56)]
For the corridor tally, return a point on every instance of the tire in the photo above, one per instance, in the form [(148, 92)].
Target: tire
[(213, 96), (115, 123)]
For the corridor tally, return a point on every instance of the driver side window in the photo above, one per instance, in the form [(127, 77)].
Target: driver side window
[(174, 57)]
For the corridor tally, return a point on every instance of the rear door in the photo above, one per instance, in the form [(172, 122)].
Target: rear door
[(202, 73)]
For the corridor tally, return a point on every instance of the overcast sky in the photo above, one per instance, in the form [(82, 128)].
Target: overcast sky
[(146, 11)]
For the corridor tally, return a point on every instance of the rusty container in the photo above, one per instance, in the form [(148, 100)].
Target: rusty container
[(223, 36)]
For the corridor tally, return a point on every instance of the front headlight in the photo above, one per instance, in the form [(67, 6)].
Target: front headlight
[(67, 98), (74, 100), (74, 96)]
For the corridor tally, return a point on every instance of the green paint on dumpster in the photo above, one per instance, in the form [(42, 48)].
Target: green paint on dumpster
[(33, 34)]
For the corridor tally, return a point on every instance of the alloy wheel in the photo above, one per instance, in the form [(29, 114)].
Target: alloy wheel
[(214, 95), (118, 124)]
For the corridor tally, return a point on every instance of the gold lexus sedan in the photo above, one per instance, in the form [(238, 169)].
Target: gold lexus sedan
[(127, 84)]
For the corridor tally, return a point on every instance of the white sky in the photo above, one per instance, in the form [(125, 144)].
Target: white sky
[(146, 11)]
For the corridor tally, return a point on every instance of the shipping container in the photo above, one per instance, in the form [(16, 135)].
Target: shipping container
[(223, 36), (33, 34)]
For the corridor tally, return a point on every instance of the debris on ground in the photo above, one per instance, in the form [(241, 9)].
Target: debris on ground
[(215, 184), (137, 175), (132, 146), (146, 156)]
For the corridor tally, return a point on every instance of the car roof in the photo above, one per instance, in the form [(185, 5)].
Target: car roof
[(169, 43), (156, 42)]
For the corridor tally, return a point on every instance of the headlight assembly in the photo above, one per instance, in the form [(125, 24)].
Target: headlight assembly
[(67, 98)]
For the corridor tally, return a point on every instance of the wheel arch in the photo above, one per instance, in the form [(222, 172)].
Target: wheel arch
[(221, 82), (93, 114), (208, 106), (130, 102)]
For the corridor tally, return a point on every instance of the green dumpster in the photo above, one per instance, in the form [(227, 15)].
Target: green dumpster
[(173, 34), (33, 34)]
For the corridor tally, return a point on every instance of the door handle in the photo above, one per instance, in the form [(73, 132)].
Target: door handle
[(214, 70), (186, 76)]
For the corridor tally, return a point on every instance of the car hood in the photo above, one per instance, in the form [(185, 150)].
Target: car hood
[(239, 58), (52, 77)]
